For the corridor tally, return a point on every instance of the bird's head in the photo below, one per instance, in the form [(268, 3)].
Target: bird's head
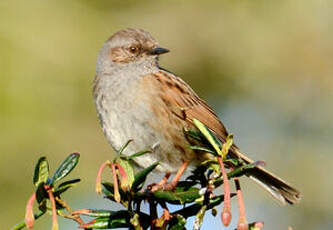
[(130, 47)]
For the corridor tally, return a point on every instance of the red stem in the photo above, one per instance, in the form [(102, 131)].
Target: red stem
[(124, 182), (121, 171), (226, 214), (242, 222), (81, 211), (54, 208), (99, 177), (115, 183), (29, 214)]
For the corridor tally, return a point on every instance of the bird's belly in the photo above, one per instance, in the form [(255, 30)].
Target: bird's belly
[(134, 121)]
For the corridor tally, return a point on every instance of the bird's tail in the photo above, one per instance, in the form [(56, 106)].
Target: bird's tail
[(279, 189)]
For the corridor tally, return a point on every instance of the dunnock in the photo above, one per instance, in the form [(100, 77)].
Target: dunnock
[(137, 99)]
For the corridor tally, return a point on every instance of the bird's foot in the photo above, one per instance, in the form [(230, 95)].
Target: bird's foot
[(164, 185), (161, 185)]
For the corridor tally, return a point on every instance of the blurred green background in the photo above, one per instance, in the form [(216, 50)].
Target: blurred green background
[(265, 66)]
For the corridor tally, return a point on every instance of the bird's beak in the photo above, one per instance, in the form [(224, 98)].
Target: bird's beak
[(158, 50)]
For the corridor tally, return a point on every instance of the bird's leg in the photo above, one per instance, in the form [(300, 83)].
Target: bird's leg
[(180, 172), (160, 185), (174, 182), (242, 222), (165, 179)]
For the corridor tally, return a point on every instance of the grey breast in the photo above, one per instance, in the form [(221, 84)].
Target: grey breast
[(124, 115)]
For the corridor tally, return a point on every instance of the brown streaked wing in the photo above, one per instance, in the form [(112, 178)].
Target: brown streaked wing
[(186, 104)]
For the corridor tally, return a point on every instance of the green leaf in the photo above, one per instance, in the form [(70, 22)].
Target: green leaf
[(184, 186), (108, 192), (138, 154), (141, 176), (196, 135), (119, 219), (41, 193), (240, 171), (94, 213), (179, 196), (234, 162), (106, 223), (209, 136), (200, 148), (121, 150), (64, 186), (167, 196), (226, 146), (41, 173), (65, 167)]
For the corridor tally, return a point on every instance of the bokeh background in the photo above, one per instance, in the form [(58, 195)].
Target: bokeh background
[(265, 66)]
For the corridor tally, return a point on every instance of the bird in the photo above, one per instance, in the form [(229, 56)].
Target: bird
[(138, 100)]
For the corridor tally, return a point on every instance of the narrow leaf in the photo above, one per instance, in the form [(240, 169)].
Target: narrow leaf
[(141, 176), (194, 134), (65, 167), (41, 173), (138, 154), (106, 223), (41, 193), (108, 190), (200, 148), (119, 219), (64, 186), (177, 197), (208, 135), (68, 183), (94, 213), (121, 150), (226, 146)]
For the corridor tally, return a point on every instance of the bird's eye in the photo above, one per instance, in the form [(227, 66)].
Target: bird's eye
[(133, 49)]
